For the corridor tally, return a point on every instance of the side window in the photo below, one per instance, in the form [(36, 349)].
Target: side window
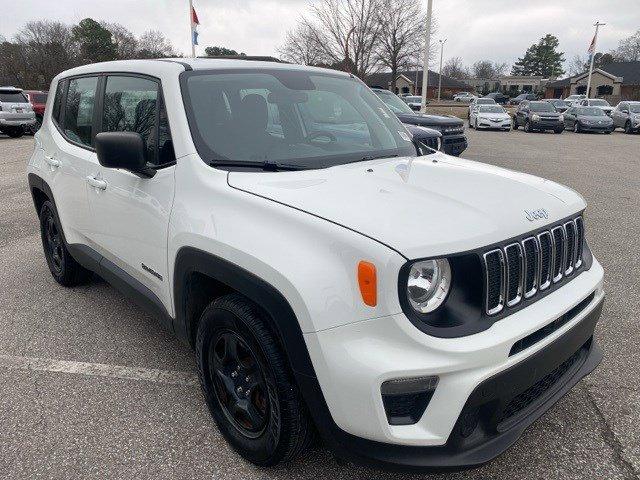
[(57, 101), (78, 112), (131, 104)]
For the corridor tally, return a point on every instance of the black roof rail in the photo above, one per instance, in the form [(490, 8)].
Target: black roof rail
[(258, 58), (186, 66)]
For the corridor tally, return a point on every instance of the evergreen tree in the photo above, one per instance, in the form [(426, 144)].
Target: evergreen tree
[(94, 42), (541, 58)]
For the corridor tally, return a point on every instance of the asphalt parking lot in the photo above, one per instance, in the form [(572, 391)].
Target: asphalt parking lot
[(92, 387)]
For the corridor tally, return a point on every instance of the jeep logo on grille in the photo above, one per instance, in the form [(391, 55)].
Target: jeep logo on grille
[(533, 215)]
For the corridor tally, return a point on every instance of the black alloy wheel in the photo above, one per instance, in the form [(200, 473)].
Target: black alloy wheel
[(627, 127), (52, 242), (239, 380), (527, 127)]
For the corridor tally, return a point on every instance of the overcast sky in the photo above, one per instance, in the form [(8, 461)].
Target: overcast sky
[(499, 30)]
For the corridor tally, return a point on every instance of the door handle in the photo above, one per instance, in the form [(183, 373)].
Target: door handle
[(52, 161), (97, 183)]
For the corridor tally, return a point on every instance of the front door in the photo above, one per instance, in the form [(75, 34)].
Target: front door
[(131, 213)]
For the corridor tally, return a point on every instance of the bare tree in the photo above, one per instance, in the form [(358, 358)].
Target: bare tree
[(347, 32), (46, 48), (629, 49), (301, 46), (454, 68), (153, 44), (124, 40), (401, 36), (488, 69)]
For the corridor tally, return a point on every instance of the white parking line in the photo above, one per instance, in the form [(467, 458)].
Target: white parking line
[(170, 377)]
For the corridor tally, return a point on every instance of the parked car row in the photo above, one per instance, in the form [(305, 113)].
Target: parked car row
[(21, 111), (582, 115)]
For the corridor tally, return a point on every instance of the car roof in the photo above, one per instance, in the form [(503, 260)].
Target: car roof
[(163, 66), (10, 89)]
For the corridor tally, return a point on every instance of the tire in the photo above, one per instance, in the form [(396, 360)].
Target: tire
[(15, 132), (558, 130), (470, 124), (527, 127), (279, 428), (475, 125), (64, 269), (515, 123), (627, 128), (576, 127)]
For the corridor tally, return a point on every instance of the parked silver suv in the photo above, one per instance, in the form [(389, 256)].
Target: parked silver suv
[(16, 112)]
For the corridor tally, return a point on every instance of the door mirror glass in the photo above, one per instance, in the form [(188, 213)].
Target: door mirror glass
[(124, 150)]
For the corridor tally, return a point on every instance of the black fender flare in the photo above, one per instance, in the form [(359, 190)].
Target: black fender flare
[(284, 321)]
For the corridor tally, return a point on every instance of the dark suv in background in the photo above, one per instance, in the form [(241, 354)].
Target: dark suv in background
[(521, 97), (454, 142), (538, 116)]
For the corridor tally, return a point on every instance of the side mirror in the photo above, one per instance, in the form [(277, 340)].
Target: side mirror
[(124, 150)]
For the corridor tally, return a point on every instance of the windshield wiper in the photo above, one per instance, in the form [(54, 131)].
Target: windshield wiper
[(266, 165), (373, 157)]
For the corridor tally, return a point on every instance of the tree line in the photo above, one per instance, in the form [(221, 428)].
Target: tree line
[(44, 48), (360, 36)]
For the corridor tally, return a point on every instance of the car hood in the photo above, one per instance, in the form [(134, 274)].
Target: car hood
[(422, 206), (426, 120), (595, 118)]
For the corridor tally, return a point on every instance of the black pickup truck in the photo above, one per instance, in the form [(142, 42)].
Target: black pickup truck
[(454, 142)]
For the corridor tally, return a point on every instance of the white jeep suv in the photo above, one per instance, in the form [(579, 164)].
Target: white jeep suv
[(415, 312)]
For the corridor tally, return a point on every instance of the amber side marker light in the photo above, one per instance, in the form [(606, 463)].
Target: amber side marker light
[(367, 281)]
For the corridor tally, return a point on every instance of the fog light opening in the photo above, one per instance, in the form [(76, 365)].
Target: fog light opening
[(406, 399)]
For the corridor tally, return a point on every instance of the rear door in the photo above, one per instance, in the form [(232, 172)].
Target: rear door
[(131, 213), (69, 150)]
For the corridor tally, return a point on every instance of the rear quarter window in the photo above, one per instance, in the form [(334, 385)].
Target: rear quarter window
[(13, 97)]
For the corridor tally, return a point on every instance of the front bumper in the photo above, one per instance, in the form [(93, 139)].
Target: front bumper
[(478, 378), (489, 124), (454, 144), (542, 125), (596, 128)]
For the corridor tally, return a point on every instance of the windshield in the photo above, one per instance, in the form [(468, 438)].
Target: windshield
[(491, 109), (541, 107), (394, 103), (292, 118), (599, 103), (413, 99), (12, 97), (559, 103), (590, 111), (39, 97), (486, 101), (634, 108)]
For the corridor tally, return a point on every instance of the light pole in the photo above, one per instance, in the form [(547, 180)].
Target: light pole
[(425, 63), (441, 42)]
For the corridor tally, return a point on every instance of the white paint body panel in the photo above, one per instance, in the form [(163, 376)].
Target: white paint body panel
[(304, 233)]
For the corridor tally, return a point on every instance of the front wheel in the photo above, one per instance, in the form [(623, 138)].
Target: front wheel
[(558, 130), (627, 128), (247, 384), (527, 127)]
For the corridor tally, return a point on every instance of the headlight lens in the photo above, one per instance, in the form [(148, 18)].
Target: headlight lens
[(428, 284), (561, 118)]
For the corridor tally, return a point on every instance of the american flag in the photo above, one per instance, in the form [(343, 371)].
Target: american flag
[(592, 47), (194, 25)]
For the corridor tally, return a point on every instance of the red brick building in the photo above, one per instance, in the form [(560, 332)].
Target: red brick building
[(406, 83)]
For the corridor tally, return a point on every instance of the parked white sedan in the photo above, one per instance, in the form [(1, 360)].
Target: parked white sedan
[(464, 97), (490, 116)]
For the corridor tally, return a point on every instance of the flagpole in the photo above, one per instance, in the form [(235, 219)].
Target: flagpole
[(193, 46), (593, 56)]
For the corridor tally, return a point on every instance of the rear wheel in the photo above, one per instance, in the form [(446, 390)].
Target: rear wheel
[(15, 132), (64, 269), (247, 384)]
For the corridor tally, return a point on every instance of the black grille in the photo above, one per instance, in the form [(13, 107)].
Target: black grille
[(531, 262), (494, 262), (570, 230), (523, 268), (530, 395), (558, 257), (514, 273), (546, 257)]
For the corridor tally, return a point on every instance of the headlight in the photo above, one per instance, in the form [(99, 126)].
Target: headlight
[(439, 144), (561, 118), (535, 117), (428, 284)]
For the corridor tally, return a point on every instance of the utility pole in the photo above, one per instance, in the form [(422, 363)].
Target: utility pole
[(592, 51), (442, 42), (425, 63)]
